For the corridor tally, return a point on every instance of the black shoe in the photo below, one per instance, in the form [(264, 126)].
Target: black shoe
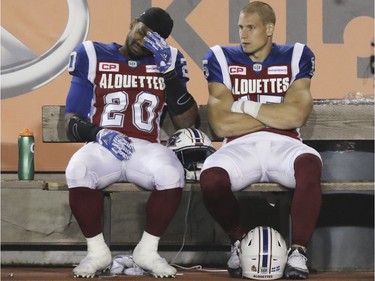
[(234, 265), (295, 267)]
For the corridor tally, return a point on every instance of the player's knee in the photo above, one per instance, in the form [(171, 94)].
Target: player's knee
[(213, 179), (308, 162), (308, 171), (168, 176), (76, 174)]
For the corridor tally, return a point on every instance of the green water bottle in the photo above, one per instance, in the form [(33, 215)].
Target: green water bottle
[(26, 155)]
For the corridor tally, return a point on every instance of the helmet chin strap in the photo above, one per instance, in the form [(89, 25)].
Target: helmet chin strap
[(195, 173), (192, 175)]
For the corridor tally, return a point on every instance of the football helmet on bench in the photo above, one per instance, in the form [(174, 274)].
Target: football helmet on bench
[(192, 147)]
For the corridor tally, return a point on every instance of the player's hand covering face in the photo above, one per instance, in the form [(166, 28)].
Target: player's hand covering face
[(161, 51), (134, 40)]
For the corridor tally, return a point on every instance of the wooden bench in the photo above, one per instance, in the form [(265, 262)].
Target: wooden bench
[(331, 121)]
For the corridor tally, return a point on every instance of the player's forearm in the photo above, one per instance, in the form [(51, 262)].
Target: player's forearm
[(282, 116), (223, 121), (186, 119), (233, 124), (293, 112), (178, 99), (78, 129)]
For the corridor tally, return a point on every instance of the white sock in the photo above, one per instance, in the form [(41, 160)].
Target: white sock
[(149, 241), (96, 244)]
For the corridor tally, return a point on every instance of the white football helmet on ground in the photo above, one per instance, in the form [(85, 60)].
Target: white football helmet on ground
[(192, 147), (263, 254)]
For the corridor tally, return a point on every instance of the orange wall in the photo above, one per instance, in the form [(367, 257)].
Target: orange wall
[(40, 23)]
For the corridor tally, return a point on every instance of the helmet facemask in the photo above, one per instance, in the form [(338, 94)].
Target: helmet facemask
[(191, 147), (192, 159)]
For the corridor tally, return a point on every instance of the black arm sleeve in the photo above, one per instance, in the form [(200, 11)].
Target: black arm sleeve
[(82, 130), (178, 98)]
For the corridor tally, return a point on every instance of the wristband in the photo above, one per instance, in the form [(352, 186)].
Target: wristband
[(170, 75), (251, 108), (82, 130), (178, 99), (236, 106)]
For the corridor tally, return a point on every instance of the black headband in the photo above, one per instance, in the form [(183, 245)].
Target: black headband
[(158, 20)]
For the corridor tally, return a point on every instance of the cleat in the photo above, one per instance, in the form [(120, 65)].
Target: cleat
[(152, 262), (88, 267), (234, 264), (295, 267)]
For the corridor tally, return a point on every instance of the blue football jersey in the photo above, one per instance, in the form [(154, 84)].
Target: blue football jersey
[(263, 82), (127, 95)]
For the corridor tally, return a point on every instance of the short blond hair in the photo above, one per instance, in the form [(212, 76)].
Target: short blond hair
[(265, 11)]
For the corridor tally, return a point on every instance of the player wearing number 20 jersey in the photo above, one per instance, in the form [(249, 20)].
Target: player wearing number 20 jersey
[(124, 94), (263, 82), (116, 98)]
